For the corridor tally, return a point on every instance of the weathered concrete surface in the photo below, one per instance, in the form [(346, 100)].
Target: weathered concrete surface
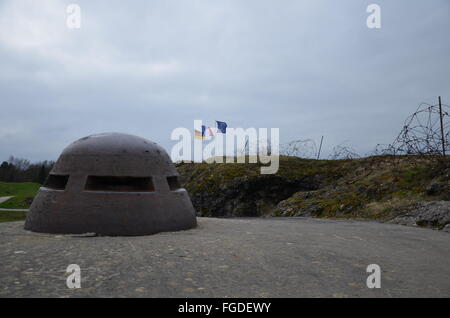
[(273, 257)]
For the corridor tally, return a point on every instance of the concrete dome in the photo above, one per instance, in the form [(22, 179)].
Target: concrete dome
[(112, 184)]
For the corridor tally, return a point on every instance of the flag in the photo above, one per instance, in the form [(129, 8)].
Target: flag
[(222, 126), (206, 132), (210, 132), (198, 134)]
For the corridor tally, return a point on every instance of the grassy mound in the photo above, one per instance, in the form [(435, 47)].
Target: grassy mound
[(210, 177), (376, 188), (379, 187)]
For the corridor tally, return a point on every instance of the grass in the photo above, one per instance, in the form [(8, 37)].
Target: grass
[(23, 193), (19, 202), (12, 216), (18, 189)]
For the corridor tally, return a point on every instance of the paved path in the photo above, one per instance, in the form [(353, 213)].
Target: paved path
[(273, 257)]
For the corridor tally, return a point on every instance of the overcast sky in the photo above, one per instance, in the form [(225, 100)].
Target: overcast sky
[(311, 68)]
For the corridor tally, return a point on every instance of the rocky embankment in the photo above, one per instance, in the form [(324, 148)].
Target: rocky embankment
[(406, 189), (435, 214), (250, 196)]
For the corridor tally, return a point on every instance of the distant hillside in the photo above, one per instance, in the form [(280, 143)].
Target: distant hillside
[(381, 187)]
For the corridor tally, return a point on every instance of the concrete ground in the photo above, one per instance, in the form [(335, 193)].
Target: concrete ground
[(273, 257)]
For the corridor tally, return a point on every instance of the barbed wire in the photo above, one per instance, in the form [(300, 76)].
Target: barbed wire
[(302, 148), (421, 133), (343, 152)]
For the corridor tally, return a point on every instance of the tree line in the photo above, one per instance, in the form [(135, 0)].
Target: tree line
[(22, 170)]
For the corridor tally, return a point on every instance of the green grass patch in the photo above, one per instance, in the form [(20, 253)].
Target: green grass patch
[(20, 202), (12, 216), (18, 189)]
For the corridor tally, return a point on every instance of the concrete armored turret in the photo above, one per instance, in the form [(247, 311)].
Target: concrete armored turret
[(112, 184)]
